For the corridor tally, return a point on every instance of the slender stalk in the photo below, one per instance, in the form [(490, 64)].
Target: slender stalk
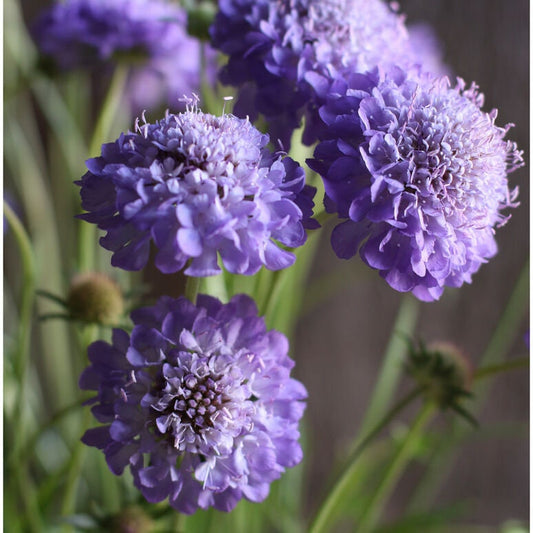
[(180, 521), (325, 514), (499, 344), (191, 288), (506, 330), (103, 127), (492, 370), (392, 363), (20, 467), (55, 361), (28, 293), (75, 465), (31, 442), (52, 297), (370, 516), (109, 109)]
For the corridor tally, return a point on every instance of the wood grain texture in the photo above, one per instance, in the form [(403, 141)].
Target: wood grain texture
[(339, 345)]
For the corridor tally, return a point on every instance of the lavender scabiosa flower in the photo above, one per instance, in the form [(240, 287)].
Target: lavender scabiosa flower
[(419, 172), (283, 54), (150, 35), (198, 401), (197, 185), (427, 50)]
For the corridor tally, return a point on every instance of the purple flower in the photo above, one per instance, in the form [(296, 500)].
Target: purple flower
[(427, 49), (198, 401), (197, 185), (149, 34), (164, 80), (420, 173), (283, 54)]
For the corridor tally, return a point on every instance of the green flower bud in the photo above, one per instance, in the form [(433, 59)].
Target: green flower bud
[(94, 297), (443, 371), (131, 520)]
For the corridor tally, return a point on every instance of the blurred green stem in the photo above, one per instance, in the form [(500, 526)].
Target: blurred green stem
[(325, 514), (27, 296), (31, 442), (89, 333), (492, 370), (109, 109), (20, 365), (392, 363), (191, 289), (102, 130), (180, 521), (75, 465), (502, 338), (387, 482), (505, 333)]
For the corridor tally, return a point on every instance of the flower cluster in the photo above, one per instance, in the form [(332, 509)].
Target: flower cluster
[(197, 185), (198, 402), (283, 55), (420, 173), (149, 34)]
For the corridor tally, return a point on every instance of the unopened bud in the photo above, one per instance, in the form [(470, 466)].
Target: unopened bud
[(442, 370), (131, 520), (94, 297)]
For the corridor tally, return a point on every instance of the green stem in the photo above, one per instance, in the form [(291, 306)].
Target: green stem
[(109, 109), (52, 297), (89, 333), (325, 514), (323, 217), (75, 466), (505, 332), (55, 316), (370, 516), (32, 441), (20, 366), (503, 337), (489, 371), (28, 292), (180, 521), (393, 361), (103, 127), (191, 288)]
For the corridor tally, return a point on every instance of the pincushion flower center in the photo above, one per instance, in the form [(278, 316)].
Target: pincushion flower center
[(197, 401), (205, 149), (434, 159)]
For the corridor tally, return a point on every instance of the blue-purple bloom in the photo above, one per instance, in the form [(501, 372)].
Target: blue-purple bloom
[(419, 172), (150, 35), (284, 54), (427, 49), (198, 186), (198, 402)]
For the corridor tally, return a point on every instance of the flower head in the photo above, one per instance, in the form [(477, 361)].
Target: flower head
[(420, 173), (284, 54), (443, 373), (197, 185), (198, 401), (148, 34)]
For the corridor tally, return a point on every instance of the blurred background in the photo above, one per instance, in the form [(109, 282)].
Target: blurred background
[(350, 311), (341, 340)]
